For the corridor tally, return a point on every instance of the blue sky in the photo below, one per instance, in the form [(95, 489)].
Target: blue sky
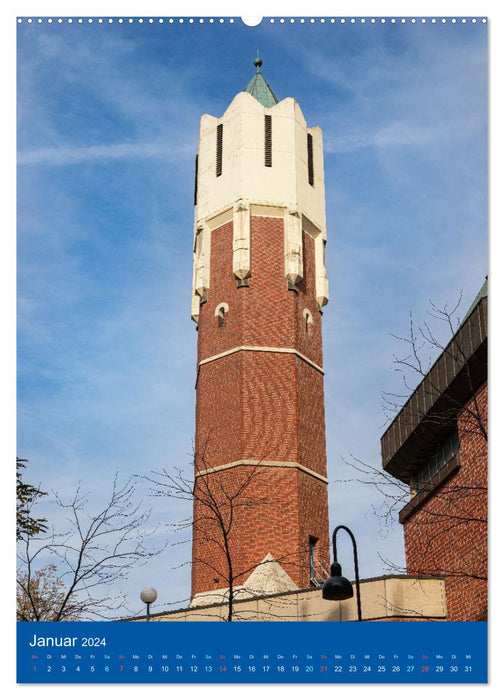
[(108, 119)]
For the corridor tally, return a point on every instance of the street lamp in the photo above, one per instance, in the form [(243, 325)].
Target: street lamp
[(337, 587), (148, 595)]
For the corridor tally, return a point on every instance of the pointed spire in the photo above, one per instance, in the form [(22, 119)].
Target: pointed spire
[(259, 88)]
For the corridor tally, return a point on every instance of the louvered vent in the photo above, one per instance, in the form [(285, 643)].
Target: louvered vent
[(309, 144), (218, 164), (267, 141), (196, 181)]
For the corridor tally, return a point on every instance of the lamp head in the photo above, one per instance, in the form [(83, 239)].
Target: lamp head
[(337, 587), (148, 594)]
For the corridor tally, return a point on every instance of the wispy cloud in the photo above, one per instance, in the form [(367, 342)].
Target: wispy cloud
[(101, 153), (395, 134)]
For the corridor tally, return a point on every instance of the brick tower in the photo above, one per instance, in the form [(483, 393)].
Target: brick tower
[(259, 286)]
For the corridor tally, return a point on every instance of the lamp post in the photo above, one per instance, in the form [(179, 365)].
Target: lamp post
[(148, 595), (337, 587)]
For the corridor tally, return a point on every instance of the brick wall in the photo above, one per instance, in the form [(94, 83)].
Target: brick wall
[(261, 406), (276, 512), (448, 533)]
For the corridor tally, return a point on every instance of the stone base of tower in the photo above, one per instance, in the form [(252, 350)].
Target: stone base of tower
[(268, 578)]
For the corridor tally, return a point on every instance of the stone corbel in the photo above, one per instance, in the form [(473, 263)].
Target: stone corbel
[(293, 245), (241, 239), (202, 259), (195, 307), (321, 281)]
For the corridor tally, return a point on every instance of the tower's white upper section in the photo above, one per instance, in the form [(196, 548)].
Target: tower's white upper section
[(266, 161), (244, 175)]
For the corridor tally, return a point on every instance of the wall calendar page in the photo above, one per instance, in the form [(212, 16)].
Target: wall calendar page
[(252, 349)]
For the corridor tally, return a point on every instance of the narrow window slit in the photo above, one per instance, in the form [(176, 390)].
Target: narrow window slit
[(196, 181), (309, 145), (268, 158), (218, 164)]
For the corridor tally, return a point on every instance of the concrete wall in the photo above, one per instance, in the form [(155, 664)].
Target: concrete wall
[(383, 599)]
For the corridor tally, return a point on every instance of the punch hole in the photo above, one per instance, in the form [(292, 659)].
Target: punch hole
[(252, 21)]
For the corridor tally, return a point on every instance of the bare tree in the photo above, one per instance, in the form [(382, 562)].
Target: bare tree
[(216, 504), (424, 347), (69, 574), (220, 504)]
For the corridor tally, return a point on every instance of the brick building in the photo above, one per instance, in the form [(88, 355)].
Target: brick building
[(437, 445), (259, 285)]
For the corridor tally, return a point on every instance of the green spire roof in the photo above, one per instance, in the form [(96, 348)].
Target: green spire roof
[(259, 88)]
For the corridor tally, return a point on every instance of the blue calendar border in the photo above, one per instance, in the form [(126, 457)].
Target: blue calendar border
[(180, 652)]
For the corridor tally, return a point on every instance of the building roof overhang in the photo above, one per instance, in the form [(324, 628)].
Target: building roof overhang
[(431, 411)]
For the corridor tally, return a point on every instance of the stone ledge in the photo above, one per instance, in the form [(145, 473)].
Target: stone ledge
[(384, 598)]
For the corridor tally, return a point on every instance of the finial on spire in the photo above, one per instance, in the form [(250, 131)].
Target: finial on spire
[(259, 88)]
